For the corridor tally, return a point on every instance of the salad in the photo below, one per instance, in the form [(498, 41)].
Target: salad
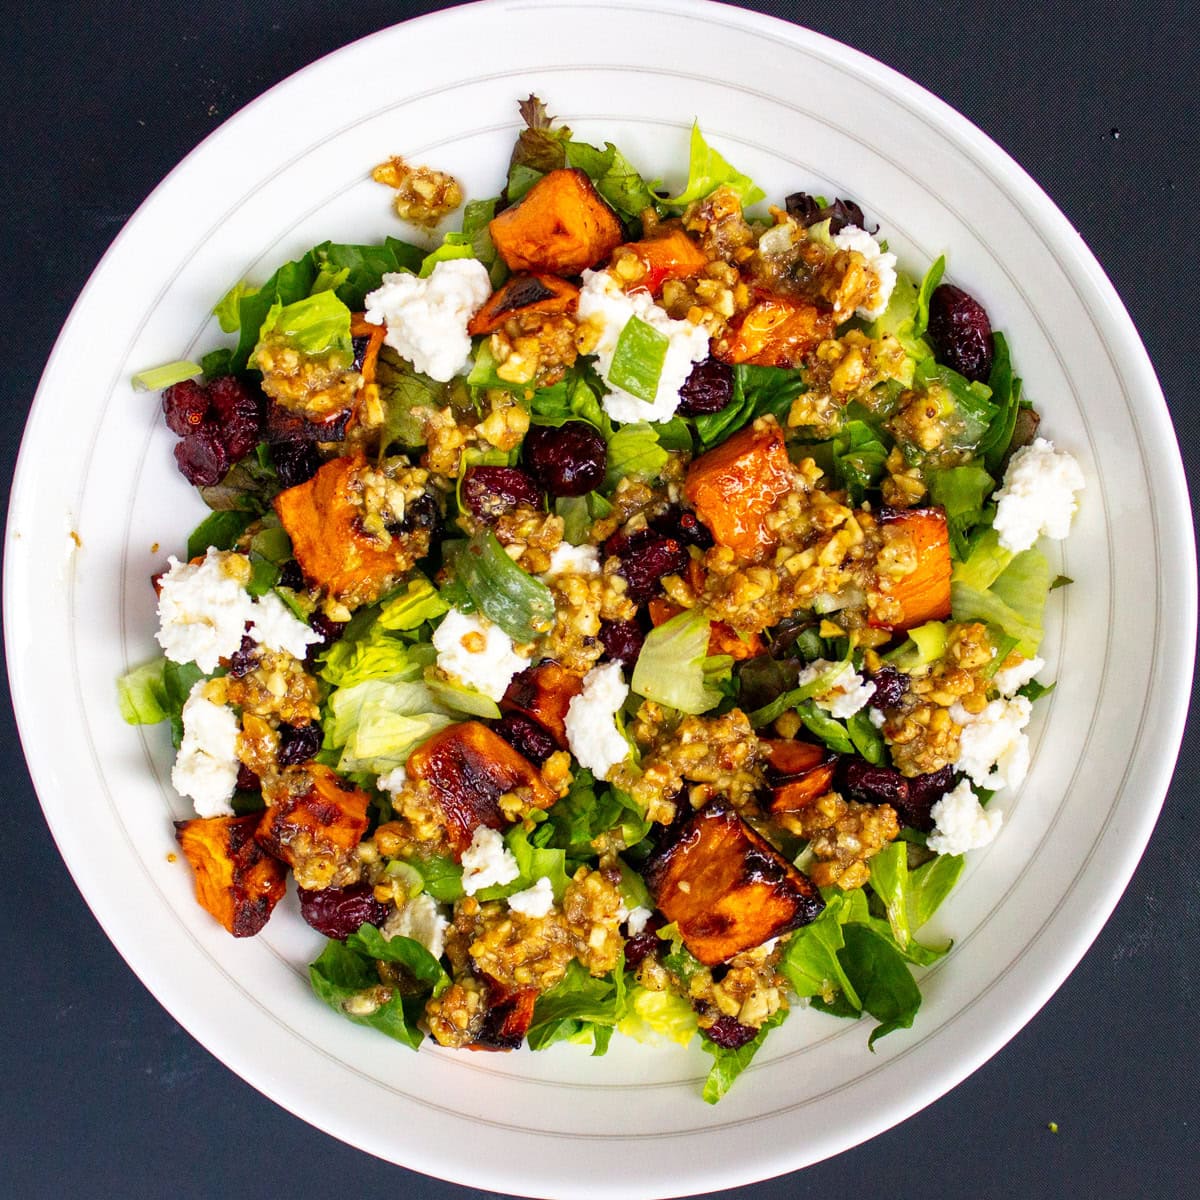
[(617, 618)]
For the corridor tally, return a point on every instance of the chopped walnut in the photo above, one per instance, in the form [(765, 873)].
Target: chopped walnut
[(843, 836), (423, 196)]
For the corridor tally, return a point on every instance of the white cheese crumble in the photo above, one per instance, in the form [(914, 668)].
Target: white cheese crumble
[(591, 721), (206, 768), (1010, 680), (393, 781), (847, 692), (275, 627), (635, 922), (203, 609), (566, 559), (878, 719), (427, 318), (420, 919), (536, 901), (604, 302), (881, 263), (487, 862), (477, 653), (961, 823), (1038, 496), (992, 748)]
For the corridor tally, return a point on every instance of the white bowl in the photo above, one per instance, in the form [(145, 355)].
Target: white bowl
[(795, 110)]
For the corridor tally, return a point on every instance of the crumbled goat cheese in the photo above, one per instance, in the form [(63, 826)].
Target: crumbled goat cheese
[(203, 609), (992, 748), (846, 693), (877, 718), (961, 823), (393, 781), (206, 769), (880, 262), (566, 559), (1038, 496), (420, 919), (591, 721), (477, 653), (275, 627), (635, 922), (603, 301), (1011, 680), (487, 862), (427, 318), (535, 901)]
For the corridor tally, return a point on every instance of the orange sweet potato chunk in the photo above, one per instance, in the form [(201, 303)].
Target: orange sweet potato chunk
[(314, 825), (799, 772), (469, 767), (775, 332), (667, 254), (925, 594), (360, 327), (236, 880), (736, 486), (722, 638), (323, 522), (524, 294), (726, 887), (560, 226), (543, 694)]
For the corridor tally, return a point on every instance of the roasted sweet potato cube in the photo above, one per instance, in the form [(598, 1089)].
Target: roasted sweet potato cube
[(524, 294), (735, 487), (314, 823), (925, 594), (508, 1018), (775, 331), (360, 327), (726, 887), (798, 793), (543, 694), (560, 226), (788, 758), (324, 523), (722, 638), (236, 880), (469, 767), (667, 254)]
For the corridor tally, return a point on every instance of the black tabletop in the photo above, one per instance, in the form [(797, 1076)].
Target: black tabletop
[(103, 1094)]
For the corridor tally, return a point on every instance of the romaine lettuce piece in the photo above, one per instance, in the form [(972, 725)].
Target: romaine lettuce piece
[(509, 597), (963, 492), (671, 667), (658, 1016), (316, 325), (729, 1064), (707, 171)]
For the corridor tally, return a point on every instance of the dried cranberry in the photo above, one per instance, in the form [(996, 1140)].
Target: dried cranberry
[(421, 513), (244, 659), (329, 629), (202, 457), (622, 641), (184, 405), (526, 736), (961, 332), (646, 556), (295, 462), (683, 526), (238, 415), (890, 686), (869, 784), (642, 945), (708, 389), (298, 744), (568, 459), (730, 1033), (489, 492), (359, 346), (924, 791), (247, 781), (291, 576), (338, 912), (805, 209)]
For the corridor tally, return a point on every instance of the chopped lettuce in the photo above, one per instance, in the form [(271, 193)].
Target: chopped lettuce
[(579, 1008), (963, 492), (1013, 601), (157, 691), (509, 597), (635, 451), (671, 667), (810, 961), (707, 171), (316, 325), (658, 1016), (1006, 396), (929, 885), (757, 392), (858, 456), (221, 529), (378, 723), (616, 179), (729, 1064)]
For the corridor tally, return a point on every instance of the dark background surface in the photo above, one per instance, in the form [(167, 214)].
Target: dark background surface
[(101, 1092)]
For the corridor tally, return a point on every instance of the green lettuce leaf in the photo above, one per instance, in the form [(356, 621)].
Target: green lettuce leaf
[(671, 666), (377, 724), (810, 960), (757, 392), (859, 456), (509, 597), (963, 492), (658, 1016), (729, 1064), (221, 529), (638, 359), (316, 325), (1014, 603), (578, 1004), (707, 171), (929, 885)]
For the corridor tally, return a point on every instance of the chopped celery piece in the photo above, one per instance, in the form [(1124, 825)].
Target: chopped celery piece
[(157, 378), (638, 359)]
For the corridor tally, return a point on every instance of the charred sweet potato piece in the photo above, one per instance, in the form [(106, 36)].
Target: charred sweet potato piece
[(722, 638), (236, 880), (925, 594), (509, 1015), (469, 767), (734, 488), (524, 294), (560, 226), (726, 887), (314, 823), (334, 553), (667, 254), (799, 773), (360, 327), (775, 332), (543, 694)]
